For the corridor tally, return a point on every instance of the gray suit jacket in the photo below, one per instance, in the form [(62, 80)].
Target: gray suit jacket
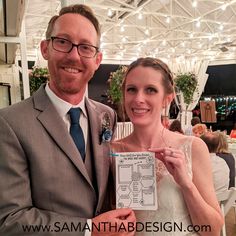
[(43, 180)]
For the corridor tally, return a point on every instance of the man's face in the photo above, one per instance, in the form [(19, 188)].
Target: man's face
[(69, 72)]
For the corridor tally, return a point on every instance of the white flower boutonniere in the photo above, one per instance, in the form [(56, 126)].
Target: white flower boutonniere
[(106, 134)]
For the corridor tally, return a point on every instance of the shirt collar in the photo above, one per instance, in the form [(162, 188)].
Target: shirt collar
[(61, 105)]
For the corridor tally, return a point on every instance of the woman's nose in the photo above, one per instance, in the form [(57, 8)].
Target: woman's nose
[(139, 97)]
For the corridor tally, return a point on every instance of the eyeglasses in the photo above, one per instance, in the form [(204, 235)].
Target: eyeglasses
[(65, 45)]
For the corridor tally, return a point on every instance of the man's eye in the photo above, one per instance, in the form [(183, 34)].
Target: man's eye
[(61, 41), (86, 47)]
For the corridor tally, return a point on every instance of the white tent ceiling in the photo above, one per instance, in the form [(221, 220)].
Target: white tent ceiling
[(161, 28)]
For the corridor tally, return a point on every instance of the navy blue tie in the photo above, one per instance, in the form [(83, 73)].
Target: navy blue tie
[(76, 131)]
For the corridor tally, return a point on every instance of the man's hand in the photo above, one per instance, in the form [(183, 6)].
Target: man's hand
[(115, 222)]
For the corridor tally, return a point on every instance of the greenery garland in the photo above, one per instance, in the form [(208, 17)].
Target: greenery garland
[(187, 84), (115, 82), (37, 77)]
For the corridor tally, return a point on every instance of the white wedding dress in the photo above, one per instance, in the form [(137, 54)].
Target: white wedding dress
[(172, 217)]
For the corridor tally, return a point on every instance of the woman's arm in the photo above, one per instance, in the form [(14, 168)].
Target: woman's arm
[(200, 195)]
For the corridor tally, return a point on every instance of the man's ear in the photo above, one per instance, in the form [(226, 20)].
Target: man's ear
[(168, 99), (44, 48), (98, 59)]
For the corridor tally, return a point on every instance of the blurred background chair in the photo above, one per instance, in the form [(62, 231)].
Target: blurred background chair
[(227, 200)]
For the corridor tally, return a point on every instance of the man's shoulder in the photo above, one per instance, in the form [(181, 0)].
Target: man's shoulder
[(18, 107), (24, 107), (100, 106)]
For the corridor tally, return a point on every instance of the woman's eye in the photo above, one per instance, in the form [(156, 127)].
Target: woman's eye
[(151, 90), (130, 90)]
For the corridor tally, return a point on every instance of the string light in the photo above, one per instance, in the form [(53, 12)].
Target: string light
[(194, 4), (164, 42), (223, 7), (140, 16), (210, 37), (109, 12), (198, 24), (221, 27), (122, 28), (168, 20), (147, 32)]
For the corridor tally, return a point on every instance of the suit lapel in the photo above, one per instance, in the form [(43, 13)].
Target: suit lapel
[(56, 128), (100, 151)]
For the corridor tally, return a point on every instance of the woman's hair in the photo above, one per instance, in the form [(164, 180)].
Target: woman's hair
[(195, 120), (80, 9), (176, 126), (211, 140), (223, 144), (156, 64), (199, 129)]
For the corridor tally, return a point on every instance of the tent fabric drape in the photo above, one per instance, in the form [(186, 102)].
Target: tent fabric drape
[(199, 68)]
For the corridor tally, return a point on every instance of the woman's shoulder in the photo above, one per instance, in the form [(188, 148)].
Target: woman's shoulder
[(178, 139), (198, 144)]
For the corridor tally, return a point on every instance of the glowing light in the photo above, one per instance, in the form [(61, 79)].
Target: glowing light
[(194, 4), (140, 16), (168, 20), (109, 12)]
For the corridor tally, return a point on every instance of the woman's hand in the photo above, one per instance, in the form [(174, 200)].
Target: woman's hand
[(175, 162)]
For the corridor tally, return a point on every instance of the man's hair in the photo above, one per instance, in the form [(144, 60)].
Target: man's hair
[(195, 120), (80, 9), (176, 126), (212, 141)]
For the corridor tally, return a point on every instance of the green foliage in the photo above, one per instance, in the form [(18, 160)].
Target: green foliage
[(37, 77), (115, 82), (187, 84)]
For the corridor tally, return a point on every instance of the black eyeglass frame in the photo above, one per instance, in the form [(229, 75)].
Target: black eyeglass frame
[(74, 45)]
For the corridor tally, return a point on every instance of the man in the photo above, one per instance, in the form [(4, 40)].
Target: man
[(220, 169), (45, 179)]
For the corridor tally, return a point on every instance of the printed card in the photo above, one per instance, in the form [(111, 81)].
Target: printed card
[(136, 180)]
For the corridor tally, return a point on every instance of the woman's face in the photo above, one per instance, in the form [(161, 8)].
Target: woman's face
[(144, 95)]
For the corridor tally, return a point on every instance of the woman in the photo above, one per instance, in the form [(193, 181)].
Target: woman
[(199, 129), (223, 152), (185, 189)]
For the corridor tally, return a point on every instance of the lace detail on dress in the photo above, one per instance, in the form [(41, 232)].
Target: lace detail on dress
[(171, 205), (186, 147)]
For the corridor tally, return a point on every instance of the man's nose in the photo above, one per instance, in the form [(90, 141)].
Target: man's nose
[(74, 53)]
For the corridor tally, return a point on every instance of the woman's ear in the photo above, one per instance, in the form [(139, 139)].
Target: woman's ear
[(167, 100), (44, 49)]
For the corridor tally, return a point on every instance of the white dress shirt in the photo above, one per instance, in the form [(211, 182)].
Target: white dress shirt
[(62, 108)]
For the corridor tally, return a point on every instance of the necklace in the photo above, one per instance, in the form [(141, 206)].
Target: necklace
[(146, 147)]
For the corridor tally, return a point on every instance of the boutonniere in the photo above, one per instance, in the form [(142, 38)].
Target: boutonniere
[(106, 134)]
